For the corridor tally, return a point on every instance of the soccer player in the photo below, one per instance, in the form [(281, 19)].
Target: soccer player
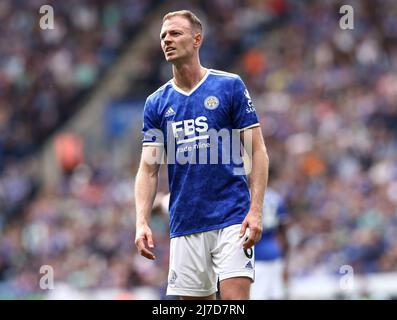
[(215, 218), (272, 251)]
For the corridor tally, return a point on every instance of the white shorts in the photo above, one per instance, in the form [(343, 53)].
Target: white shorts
[(197, 261), (268, 280)]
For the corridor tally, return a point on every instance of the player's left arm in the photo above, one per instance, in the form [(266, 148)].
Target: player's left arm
[(256, 149)]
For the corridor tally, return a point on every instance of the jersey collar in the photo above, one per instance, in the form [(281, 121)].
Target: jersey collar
[(207, 72)]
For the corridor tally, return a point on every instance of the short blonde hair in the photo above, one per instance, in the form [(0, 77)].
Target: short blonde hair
[(188, 15)]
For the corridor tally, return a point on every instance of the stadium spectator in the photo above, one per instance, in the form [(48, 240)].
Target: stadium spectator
[(273, 250)]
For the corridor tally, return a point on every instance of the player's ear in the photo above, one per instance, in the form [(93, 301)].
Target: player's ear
[(198, 39)]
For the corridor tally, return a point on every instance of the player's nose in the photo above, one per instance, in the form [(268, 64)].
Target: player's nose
[(167, 41)]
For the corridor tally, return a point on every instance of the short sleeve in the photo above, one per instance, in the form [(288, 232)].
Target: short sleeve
[(151, 131), (244, 114)]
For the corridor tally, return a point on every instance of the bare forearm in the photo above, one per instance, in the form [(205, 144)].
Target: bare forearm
[(145, 191), (256, 150), (258, 178)]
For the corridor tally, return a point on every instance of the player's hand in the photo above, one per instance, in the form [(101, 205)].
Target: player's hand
[(252, 221), (144, 240)]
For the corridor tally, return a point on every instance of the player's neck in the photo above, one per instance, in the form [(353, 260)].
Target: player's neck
[(187, 76)]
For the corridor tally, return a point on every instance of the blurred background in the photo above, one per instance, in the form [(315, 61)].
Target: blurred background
[(71, 101)]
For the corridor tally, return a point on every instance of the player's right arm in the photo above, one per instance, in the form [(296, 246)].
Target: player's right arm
[(146, 183)]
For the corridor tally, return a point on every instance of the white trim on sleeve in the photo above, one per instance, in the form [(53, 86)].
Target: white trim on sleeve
[(249, 127), (154, 144)]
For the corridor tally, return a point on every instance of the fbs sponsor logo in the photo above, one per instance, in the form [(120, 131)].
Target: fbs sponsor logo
[(184, 131)]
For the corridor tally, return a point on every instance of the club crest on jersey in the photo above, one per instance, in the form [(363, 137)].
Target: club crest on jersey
[(211, 103)]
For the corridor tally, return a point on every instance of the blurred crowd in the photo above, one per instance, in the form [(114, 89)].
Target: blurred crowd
[(327, 100), (328, 103), (84, 231), (45, 73)]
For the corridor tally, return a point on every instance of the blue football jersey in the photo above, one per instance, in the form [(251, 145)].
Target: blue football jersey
[(274, 213), (208, 189)]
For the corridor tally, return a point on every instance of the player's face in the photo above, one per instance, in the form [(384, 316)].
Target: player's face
[(177, 39)]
